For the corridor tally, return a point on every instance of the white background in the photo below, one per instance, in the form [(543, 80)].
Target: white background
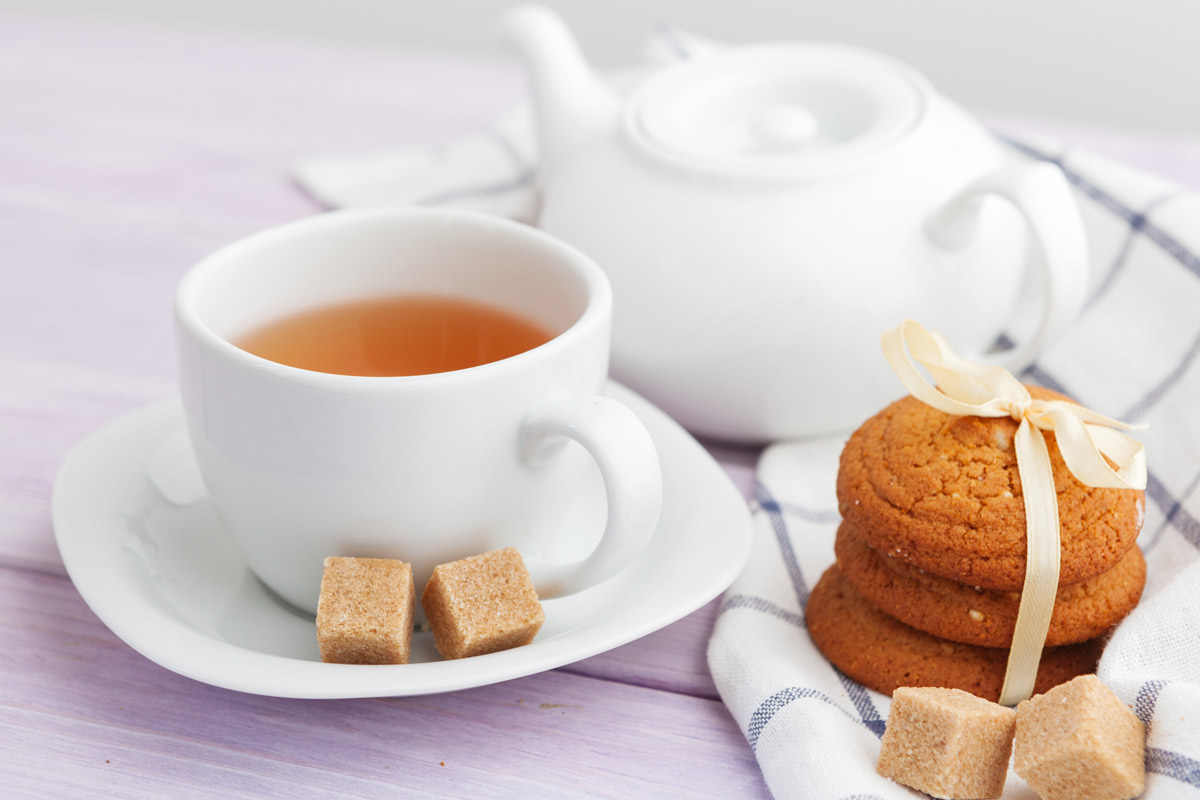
[(1114, 62)]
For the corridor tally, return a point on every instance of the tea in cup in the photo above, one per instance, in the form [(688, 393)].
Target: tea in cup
[(406, 383)]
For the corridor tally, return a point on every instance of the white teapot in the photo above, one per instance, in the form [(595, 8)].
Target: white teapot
[(765, 212)]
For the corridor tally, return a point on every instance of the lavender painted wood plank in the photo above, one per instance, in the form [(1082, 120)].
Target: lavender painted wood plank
[(289, 94), (671, 659), (46, 409), (145, 253), (77, 707), (128, 153)]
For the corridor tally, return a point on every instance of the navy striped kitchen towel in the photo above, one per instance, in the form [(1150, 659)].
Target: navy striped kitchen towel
[(1133, 355)]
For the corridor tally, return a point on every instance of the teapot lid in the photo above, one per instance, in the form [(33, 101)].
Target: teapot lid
[(777, 109)]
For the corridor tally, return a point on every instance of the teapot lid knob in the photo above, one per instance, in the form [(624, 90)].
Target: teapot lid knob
[(777, 110), (784, 125)]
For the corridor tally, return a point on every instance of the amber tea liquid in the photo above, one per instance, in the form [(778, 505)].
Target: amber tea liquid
[(390, 336)]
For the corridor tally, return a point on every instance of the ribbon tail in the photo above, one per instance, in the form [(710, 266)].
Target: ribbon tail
[(1042, 559)]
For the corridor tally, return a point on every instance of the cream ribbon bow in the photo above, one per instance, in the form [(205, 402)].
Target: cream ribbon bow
[(1084, 438)]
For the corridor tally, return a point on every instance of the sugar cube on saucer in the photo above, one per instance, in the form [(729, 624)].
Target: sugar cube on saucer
[(947, 743), (365, 611), (482, 604), (1079, 741)]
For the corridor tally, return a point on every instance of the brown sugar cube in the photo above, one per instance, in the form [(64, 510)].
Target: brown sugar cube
[(482, 604), (947, 743), (365, 612), (1078, 741)]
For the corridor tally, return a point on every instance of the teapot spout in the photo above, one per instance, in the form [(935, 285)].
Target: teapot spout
[(571, 104)]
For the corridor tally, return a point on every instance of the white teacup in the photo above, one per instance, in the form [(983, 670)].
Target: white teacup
[(302, 465)]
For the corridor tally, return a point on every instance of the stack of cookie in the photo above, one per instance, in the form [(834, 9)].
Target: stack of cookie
[(931, 556)]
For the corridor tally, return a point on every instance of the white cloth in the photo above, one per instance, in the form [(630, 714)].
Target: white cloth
[(491, 171), (1133, 355)]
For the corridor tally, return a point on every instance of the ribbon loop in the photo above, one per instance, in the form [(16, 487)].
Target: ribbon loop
[(1090, 444)]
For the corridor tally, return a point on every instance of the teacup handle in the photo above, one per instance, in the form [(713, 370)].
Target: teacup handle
[(628, 462), (1041, 193)]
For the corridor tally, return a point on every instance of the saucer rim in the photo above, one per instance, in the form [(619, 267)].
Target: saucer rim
[(151, 630)]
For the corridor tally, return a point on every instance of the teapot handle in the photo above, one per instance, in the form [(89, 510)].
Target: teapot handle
[(1041, 193)]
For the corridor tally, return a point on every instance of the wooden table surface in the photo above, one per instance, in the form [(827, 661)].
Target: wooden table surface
[(127, 152)]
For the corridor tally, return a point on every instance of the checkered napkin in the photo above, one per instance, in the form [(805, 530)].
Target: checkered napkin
[(1133, 356)]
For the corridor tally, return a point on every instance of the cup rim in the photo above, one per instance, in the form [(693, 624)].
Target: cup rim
[(596, 311)]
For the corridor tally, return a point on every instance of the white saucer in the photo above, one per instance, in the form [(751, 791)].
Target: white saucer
[(155, 565)]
